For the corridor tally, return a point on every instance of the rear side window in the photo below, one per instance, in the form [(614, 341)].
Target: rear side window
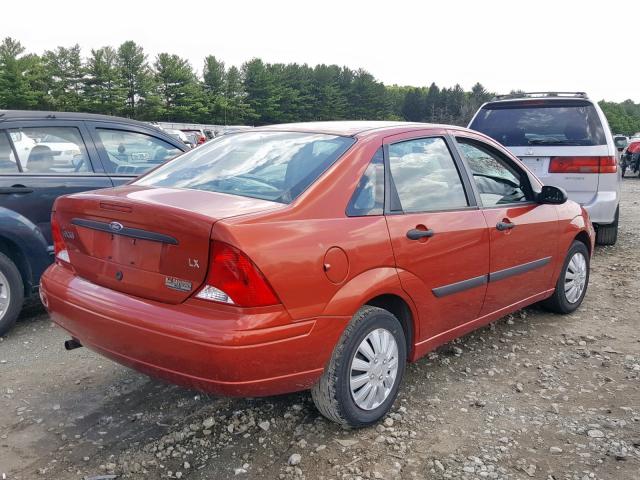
[(7, 160), (425, 176), (51, 150), (540, 122), (276, 166), (133, 153), (368, 198)]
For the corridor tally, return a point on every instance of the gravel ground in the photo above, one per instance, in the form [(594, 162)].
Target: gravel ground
[(534, 395)]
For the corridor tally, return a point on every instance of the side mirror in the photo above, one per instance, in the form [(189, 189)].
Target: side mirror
[(552, 195)]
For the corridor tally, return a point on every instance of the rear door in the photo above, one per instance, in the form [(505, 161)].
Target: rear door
[(46, 160), (523, 233), (128, 151), (439, 236)]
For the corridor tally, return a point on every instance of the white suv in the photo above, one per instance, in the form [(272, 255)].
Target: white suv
[(564, 138)]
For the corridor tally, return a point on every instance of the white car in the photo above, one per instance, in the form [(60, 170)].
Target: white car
[(62, 151), (565, 140), (179, 135)]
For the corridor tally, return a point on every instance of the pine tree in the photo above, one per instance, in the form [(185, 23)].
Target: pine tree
[(21, 77), (104, 89), (136, 79), (65, 78), (178, 89)]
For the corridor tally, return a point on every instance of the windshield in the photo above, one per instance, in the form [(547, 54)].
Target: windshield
[(541, 123), (276, 166)]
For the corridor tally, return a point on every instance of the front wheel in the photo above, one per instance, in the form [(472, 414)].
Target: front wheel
[(361, 381), (574, 279)]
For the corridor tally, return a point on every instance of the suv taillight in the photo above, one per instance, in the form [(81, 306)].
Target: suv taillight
[(59, 247), (583, 165), (235, 280)]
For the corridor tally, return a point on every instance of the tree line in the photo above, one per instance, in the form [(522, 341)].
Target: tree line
[(124, 81)]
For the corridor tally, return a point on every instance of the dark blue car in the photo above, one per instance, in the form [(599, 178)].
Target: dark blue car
[(47, 154)]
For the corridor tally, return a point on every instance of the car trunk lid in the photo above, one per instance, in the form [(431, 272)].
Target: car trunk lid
[(148, 242)]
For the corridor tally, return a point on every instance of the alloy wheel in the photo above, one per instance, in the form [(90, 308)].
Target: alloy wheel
[(575, 277), (374, 369), (5, 295)]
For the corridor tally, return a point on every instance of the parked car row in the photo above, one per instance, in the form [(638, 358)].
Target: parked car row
[(325, 255)]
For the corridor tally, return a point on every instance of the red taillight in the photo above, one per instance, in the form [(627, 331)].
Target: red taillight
[(608, 165), (234, 279), (59, 247), (583, 165)]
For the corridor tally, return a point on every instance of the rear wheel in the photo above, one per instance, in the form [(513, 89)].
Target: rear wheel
[(361, 381), (572, 284), (608, 234), (11, 293)]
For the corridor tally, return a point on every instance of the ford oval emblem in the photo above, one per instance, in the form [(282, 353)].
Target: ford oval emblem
[(116, 226)]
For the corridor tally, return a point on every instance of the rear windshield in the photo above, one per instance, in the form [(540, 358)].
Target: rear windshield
[(276, 166), (544, 123)]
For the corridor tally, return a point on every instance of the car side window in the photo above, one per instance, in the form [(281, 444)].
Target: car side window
[(498, 181), (133, 153), (425, 175), (8, 164), (51, 150), (368, 198)]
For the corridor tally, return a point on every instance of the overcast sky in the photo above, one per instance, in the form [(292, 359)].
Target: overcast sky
[(537, 45)]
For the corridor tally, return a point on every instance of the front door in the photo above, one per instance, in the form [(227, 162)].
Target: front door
[(439, 236), (523, 233)]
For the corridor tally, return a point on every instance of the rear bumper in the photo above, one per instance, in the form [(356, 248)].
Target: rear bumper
[(217, 349), (602, 207)]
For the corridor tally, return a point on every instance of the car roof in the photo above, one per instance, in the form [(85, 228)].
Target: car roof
[(40, 114), (353, 128)]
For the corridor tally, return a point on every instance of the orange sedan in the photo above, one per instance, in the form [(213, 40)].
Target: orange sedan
[(318, 256)]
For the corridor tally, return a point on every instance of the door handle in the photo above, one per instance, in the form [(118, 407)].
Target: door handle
[(502, 226), (417, 234), (20, 189)]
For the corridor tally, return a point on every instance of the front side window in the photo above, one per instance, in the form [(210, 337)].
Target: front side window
[(497, 181), (425, 175), (51, 150), (368, 198), (133, 153), (7, 160), (276, 166)]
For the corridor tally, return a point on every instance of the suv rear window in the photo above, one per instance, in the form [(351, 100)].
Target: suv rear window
[(540, 122), (276, 166)]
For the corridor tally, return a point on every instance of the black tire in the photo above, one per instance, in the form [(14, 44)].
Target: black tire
[(608, 234), (558, 302), (16, 293), (332, 394)]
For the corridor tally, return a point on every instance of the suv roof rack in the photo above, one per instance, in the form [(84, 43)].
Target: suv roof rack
[(541, 95)]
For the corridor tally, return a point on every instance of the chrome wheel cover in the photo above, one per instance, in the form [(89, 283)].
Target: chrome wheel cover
[(575, 277), (5, 295), (374, 369)]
